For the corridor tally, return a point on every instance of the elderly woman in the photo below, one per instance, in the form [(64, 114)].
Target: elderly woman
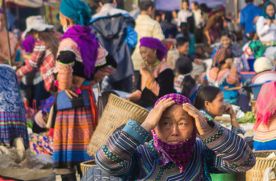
[(185, 146), (265, 126), (156, 78), (224, 75)]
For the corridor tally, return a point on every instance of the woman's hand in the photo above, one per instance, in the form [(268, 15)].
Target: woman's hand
[(135, 96), (200, 121), (101, 73), (71, 94), (229, 110), (155, 114)]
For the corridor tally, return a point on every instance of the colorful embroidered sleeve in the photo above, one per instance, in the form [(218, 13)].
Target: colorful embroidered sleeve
[(30, 64), (116, 157), (231, 152)]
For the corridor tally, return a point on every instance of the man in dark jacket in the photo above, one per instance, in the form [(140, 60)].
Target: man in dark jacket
[(115, 30)]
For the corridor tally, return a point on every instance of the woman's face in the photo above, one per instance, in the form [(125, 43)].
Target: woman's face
[(225, 41), (185, 6), (270, 10), (217, 106), (148, 55), (175, 125)]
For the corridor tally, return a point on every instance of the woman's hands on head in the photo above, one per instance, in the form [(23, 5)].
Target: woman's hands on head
[(155, 114), (201, 123)]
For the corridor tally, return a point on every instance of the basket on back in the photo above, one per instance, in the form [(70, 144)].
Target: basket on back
[(116, 113), (262, 163)]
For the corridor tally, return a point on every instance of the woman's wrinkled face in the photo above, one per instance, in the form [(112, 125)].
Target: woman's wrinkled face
[(217, 106), (175, 125), (225, 41), (270, 10), (148, 55)]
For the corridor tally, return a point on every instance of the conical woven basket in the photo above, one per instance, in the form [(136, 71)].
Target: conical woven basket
[(116, 113), (262, 163)]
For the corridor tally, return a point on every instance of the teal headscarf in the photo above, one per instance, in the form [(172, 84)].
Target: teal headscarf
[(77, 10), (264, 8)]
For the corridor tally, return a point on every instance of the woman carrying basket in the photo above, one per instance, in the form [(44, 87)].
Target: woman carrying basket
[(78, 56)]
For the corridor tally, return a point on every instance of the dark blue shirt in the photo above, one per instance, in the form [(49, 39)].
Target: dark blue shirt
[(248, 13)]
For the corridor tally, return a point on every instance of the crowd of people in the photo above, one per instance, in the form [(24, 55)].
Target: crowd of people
[(186, 67)]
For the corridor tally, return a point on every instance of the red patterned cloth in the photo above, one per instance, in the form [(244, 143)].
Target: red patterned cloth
[(46, 68)]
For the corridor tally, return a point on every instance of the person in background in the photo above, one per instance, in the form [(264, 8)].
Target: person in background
[(210, 101), (226, 42), (184, 82), (156, 77), (224, 75), (145, 26), (248, 19), (265, 126), (264, 69), (266, 25), (199, 21), (184, 13), (186, 32), (115, 30), (81, 62), (185, 146), (168, 27)]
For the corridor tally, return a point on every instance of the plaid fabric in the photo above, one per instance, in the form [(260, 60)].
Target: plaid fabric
[(46, 69), (13, 125), (72, 133), (178, 98)]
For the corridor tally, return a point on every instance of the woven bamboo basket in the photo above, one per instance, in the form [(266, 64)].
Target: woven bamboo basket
[(85, 166), (256, 173), (116, 113)]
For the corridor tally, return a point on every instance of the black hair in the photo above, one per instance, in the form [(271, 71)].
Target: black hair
[(181, 41), (196, 3), (106, 1), (187, 85), (226, 33), (204, 8), (249, 1), (144, 5), (205, 93), (184, 65), (186, 1)]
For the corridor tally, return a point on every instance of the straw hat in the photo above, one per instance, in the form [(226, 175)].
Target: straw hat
[(263, 64), (36, 23)]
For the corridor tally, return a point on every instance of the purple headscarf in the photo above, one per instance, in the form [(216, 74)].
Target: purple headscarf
[(181, 153), (1, 11), (88, 46), (156, 44), (28, 44)]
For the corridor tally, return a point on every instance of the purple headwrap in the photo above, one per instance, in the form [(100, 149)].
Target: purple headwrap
[(28, 44), (156, 44), (88, 46), (181, 153), (1, 11)]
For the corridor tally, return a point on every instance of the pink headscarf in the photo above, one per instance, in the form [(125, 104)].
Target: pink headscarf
[(181, 153), (266, 104)]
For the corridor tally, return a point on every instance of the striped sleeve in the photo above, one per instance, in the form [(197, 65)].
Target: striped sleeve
[(232, 154), (116, 157)]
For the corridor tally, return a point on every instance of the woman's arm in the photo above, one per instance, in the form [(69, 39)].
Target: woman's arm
[(262, 26), (230, 152), (116, 157)]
